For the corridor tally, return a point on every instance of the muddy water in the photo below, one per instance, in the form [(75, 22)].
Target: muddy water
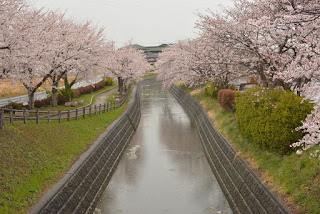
[(164, 169)]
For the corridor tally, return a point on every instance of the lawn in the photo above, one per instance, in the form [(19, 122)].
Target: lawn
[(33, 157), (295, 177)]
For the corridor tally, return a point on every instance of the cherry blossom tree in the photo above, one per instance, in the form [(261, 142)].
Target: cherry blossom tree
[(125, 64), (81, 50), (35, 46), (26, 59), (196, 62), (275, 39)]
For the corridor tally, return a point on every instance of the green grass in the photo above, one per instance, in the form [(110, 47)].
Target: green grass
[(295, 177), (33, 157), (149, 76), (111, 99)]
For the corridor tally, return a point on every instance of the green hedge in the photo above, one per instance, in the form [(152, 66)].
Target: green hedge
[(109, 81), (212, 88), (269, 117)]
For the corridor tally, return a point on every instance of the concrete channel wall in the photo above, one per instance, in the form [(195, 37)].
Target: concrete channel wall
[(81, 188), (242, 188)]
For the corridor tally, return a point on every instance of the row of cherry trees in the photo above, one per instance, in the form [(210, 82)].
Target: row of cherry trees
[(37, 46), (278, 40)]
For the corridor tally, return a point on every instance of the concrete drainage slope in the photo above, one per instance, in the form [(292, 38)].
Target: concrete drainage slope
[(242, 188), (81, 188)]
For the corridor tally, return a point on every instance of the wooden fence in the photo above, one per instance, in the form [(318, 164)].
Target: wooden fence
[(11, 115)]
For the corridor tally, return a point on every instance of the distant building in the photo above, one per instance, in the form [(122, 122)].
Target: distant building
[(151, 52)]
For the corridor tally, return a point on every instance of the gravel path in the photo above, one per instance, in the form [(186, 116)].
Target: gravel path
[(102, 98)]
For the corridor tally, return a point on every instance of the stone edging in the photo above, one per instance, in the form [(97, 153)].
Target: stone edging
[(241, 186), (82, 186)]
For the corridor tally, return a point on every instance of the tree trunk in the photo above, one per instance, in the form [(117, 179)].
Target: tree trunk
[(54, 91), (54, 97), (31, 100), (120, 85)]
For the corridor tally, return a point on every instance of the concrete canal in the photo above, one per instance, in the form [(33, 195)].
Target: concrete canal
[(164, 169)]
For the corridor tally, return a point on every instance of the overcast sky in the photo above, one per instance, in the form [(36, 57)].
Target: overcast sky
[(145, 22)]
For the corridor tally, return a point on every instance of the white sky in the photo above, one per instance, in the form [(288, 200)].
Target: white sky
[(144, 22)]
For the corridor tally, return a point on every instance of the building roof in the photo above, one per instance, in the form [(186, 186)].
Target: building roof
[(151, 52)]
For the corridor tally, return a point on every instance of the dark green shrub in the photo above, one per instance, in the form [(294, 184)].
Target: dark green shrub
[(232, 87), (212, 88), (109, 81), (269, 117), (69, 94)]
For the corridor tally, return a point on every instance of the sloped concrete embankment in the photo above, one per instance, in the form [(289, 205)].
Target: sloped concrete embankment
[(81, 188), (242, 188)]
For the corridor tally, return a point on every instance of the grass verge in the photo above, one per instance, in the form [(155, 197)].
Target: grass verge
[(33, 157), (295, 177), (149, 76)]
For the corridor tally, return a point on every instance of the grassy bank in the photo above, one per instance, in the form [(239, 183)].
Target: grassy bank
[(33, 157), (295, 177)]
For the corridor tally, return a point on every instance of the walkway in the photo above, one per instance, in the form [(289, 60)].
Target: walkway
[(102, 98), (164, 169)]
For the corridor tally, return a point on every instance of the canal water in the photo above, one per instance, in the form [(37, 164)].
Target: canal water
[(164, 169)]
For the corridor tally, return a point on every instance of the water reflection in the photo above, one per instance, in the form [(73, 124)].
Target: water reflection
[(169, 173)]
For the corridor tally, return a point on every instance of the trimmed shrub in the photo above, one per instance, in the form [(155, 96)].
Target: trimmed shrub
[(226, 99), (18, 106), (89, 88), (99, 85), (108, 81), (84, 90), (269, 117), (42, 103)]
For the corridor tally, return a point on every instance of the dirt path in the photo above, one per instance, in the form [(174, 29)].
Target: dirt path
[(102, 98)]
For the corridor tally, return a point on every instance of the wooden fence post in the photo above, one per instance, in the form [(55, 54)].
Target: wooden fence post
[(107, 106), (37, 115), (90, 111), (59, 116), (95, 110), (100, 109), (111, 105), (84, 112), (49, 116), (11, 114), (104, 108), (25, 115), (76, 114), (68, 115), (1, 118)]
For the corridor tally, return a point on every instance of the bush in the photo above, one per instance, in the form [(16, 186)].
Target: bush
[(42, 103), (108, 81), (47, 101), (99, 85), (68, 94), (18, 106), (89, 88), (269, 117), (212, 88), (226, 99)]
